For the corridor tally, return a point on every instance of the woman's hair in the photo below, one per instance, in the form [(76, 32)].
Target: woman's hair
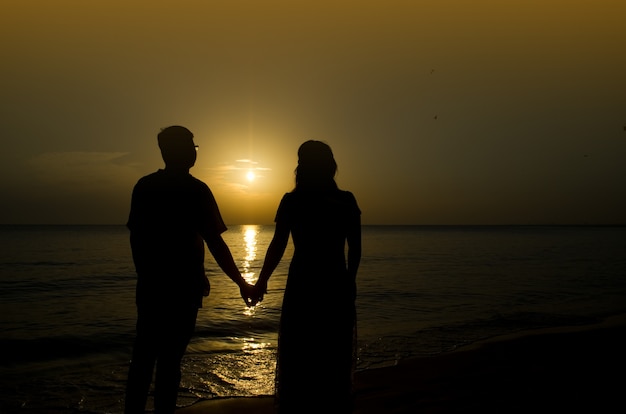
[(316, 167)]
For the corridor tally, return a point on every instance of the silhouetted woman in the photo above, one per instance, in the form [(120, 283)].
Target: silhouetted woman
[(317, 334)]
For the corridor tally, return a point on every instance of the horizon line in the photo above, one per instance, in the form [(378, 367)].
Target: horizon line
[(363, 224)]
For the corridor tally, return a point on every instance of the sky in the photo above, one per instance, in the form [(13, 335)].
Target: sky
[(438, 111)]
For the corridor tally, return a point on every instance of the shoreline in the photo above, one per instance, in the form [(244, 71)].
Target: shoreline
[(544, 370)]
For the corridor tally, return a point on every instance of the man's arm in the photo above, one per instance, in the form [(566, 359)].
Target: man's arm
[(225, 261)]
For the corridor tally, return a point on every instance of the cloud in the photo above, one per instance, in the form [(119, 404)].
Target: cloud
[(79, 171), (232, 177), (70, 187)]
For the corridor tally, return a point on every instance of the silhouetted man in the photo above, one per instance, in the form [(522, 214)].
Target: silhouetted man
[(172, 215)]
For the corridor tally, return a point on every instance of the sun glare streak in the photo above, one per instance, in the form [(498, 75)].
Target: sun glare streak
[(250, 233)]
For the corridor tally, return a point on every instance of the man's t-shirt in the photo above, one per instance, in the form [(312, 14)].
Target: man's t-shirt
[(170, 217)]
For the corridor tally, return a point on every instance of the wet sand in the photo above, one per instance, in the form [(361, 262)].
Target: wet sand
[(543, 371)]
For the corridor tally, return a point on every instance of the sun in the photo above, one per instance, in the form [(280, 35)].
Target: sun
[(250, 176)]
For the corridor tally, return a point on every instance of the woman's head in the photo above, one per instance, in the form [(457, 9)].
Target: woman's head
[(316, 166)]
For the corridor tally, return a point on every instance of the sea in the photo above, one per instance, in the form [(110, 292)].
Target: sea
[(67, 312)]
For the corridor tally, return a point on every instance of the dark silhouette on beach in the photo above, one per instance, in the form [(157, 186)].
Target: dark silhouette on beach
[(172, 215), (317, 333)]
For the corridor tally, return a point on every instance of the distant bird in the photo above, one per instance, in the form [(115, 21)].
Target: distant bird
[(435, 117)]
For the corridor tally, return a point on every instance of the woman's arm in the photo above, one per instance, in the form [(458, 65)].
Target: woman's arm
[(273, 256)]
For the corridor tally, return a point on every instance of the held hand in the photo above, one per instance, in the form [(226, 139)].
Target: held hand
[(260, 289), (248, 295)]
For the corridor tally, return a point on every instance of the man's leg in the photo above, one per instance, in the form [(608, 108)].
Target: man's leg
[(141, 364), (181, 325)]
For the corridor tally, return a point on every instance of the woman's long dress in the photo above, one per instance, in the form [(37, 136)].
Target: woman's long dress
[(317, 334)]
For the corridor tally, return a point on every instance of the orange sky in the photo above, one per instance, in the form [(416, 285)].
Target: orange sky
[(439, 112)]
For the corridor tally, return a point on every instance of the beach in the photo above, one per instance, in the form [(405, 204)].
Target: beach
[(548, 370), (448, 318)]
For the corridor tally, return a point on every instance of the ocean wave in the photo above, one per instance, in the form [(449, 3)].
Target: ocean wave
[(44, 263), (236, 327), (19, 351)]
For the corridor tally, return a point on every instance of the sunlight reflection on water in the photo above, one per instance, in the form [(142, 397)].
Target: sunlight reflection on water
[(250, 233), (233, 353), (245, 373), (421, 291)]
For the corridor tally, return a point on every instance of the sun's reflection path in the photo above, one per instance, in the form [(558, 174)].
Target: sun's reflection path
[(228, 374), (250, 233), (255, 372)]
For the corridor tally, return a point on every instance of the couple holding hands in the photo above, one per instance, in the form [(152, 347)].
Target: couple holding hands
[(173, 215)]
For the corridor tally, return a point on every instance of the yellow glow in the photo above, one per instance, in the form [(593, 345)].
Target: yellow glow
[(251, 344), (545, 73), (250, 233)]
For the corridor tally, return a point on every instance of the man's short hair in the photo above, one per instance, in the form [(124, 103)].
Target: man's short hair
[(174, 137)]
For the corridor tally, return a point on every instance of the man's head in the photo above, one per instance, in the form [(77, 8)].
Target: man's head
[(177, 147)]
